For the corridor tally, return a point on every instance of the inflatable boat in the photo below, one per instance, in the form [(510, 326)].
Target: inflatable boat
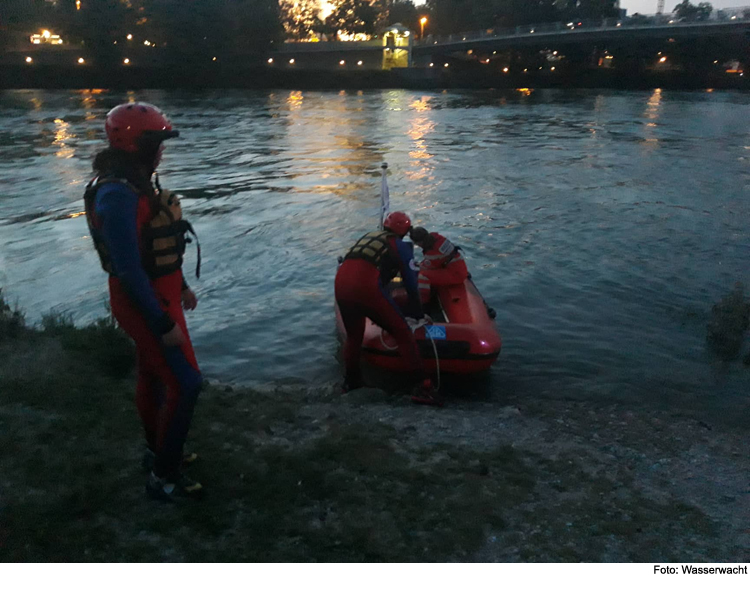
[(463, 333)]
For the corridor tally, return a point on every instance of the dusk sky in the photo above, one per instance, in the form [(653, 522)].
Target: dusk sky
[(649, 6)]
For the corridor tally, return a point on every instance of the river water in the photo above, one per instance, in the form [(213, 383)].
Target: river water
[(602, 226)]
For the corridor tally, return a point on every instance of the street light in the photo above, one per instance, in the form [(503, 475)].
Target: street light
[(422, 22)]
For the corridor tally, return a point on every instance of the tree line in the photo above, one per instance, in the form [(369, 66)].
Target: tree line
[(301, 18)]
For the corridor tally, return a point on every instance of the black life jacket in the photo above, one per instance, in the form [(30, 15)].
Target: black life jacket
[(163, 237), (374, 248)]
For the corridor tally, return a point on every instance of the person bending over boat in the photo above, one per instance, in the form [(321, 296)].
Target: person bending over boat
[(139, 234), (442, 264), (362, 292)]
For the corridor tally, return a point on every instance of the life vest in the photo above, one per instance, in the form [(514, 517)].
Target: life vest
[(162, 238), (372, 247), (442, 253)]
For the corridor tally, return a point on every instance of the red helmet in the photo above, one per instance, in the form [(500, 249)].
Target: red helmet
[(128, 124), (397, 222)]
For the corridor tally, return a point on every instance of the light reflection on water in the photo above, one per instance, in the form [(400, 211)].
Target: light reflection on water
[(602, 226)]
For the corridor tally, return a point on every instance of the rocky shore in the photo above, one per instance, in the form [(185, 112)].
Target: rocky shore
[(305, 474)]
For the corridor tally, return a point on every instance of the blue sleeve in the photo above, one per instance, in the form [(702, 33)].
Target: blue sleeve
[(409, 275), (117, 209)]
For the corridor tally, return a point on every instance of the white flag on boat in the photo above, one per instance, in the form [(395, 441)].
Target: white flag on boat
[(385, 195)]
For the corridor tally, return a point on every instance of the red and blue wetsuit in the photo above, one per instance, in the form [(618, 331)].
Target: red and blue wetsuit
[(147, 305), (362, 292)]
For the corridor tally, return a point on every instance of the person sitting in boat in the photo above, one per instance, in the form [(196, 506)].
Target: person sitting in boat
[(442, 264), (362, 292)]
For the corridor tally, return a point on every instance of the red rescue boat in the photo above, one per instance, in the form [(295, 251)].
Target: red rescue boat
[(463, 332)]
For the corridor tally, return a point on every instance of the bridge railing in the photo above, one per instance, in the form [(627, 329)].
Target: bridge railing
[(569, 28), (327, 46)]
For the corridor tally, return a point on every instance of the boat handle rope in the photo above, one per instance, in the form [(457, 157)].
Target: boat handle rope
[(434, 350)]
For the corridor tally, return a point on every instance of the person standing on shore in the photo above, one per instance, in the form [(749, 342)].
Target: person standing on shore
[(139, 234), (362, 292)]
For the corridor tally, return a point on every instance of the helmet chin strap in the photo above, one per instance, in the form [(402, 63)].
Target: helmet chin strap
[(149, 153)]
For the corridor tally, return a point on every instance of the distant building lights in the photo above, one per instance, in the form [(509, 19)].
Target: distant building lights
[(506, 70), (359, 63), (130, 37), (525, 69), (147, 42), (663, 59), (81, 60), (46, 34), (291, 61), (342, 63), (126, 61), (432, 64), (406, 33), (270, 60), (554, 52), (552, 69), (214, 59), (446, 65), (494, 53), (619, 24), (532, 30), (29, 60), (78, 4)]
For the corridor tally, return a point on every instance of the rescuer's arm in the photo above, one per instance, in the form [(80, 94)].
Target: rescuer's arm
[(117, 208), (409, 271)]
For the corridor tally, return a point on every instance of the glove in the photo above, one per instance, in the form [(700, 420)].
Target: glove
[(415, 324)]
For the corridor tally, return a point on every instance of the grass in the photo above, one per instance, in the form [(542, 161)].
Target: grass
[(289, 478)]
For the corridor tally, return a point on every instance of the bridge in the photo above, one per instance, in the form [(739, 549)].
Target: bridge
[(370, 54), (579, 32)]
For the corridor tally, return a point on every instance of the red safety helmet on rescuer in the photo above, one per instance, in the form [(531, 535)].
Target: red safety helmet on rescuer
[(129, 126), (397, 222)]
